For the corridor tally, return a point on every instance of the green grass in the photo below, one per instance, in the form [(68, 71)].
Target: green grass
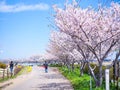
[(55, 65), (79, 82)]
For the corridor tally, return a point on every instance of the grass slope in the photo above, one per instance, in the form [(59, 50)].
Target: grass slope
[(79, 82)]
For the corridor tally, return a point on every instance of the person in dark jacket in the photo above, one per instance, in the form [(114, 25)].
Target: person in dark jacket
[(11, 67), (46, 67)]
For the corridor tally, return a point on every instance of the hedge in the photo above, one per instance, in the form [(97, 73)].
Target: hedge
[(2, 65)]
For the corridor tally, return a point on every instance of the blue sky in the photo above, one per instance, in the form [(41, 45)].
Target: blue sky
[(24, 27)]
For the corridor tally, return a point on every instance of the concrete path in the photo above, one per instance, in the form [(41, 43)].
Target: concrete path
[(39, 80)]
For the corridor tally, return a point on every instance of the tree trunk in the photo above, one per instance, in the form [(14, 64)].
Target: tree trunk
[(82, 68), (100, 74), (68, 66), (93, 75), (73, 67)]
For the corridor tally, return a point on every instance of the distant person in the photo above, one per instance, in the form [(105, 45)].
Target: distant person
[(11, 67), (46, 67)]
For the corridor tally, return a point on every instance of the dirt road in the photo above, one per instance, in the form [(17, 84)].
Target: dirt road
[(39, 80)]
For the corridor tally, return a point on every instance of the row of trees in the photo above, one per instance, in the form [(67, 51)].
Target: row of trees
[(86, 34)]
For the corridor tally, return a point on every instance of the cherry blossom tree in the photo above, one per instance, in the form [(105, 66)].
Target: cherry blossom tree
[(94, 32), (64, 46)]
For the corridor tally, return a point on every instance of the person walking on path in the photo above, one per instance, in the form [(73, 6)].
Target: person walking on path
[(46, 67), (11, 67)]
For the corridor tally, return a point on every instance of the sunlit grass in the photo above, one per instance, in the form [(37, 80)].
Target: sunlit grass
[(29, 69), (79, 82), (24, 70)]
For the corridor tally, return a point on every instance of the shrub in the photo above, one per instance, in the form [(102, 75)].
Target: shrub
[(29, 68), (55, 65), (86, 69), (2, 65), (96, 70), (111, 73), (19, 66)]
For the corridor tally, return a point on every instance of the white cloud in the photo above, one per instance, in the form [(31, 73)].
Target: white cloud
[(22, 7)]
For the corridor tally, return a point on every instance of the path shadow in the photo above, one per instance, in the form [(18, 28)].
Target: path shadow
[(54, 76), (54, 86)]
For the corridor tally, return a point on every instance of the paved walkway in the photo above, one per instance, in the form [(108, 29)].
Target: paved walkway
[(39, 80)]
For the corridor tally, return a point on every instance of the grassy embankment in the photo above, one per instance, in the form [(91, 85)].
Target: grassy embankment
[(24, 70), (80, 82)]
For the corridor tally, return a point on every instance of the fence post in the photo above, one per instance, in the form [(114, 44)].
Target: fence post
[(3, 73), (7, 72), (107, 79)]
